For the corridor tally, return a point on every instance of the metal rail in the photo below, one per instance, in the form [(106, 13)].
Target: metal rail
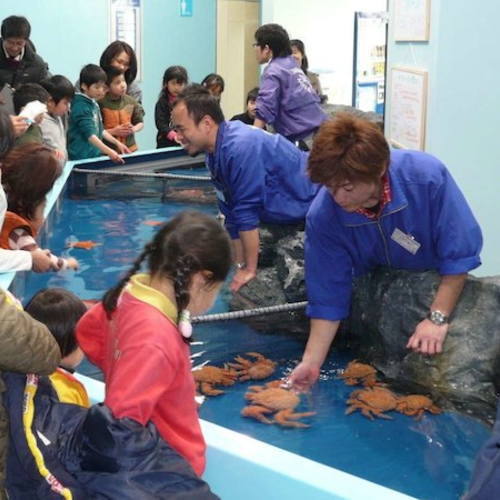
[(246, 313), (142, 174)]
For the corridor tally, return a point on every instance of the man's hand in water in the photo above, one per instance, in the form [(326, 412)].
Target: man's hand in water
[(242, 277), (303, 377)]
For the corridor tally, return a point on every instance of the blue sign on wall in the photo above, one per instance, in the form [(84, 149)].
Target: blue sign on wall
[(186, 8)]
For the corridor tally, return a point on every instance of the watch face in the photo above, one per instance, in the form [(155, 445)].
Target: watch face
[(438, 318)]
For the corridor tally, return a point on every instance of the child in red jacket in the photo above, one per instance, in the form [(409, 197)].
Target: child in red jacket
[(139, 334)]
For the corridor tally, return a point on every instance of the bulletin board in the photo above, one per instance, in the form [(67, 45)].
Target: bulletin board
[(408, 107), (126, 26), (411, 20)]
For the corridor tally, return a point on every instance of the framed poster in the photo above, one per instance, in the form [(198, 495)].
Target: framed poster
[(126, 25), (411, 20), (408, 107)]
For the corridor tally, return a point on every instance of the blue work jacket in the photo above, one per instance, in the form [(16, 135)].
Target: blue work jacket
[(287, 100), (258, 177), (437, 227)]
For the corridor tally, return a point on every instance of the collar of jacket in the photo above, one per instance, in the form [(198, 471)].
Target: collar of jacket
[(397, 203), (85, 97), (138, 286), (214, 159)]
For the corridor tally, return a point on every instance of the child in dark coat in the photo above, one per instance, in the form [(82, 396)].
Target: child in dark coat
[(175, 79)]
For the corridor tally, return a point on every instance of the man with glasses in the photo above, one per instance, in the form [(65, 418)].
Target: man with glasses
[(258, 177), (19, 62)]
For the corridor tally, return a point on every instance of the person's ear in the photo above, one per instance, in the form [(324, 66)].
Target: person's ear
[(384, 171), (202, 279), (207, 121)]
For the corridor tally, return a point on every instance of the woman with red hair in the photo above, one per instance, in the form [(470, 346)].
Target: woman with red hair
[(377, 207)]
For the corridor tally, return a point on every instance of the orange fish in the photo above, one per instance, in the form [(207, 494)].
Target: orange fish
[(152, 222), (86, 245)]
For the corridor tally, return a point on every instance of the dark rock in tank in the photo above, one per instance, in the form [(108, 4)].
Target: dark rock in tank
[(280, 280), (388, 304), (386, 307)]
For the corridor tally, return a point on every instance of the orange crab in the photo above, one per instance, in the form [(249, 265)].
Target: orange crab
[(416, 404), (356, 373), (271, 399), (259, 369), (372, 402), (209, 376)]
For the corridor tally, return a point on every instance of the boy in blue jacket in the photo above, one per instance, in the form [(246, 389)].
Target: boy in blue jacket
[(377, 207), (258, 177), (85, 130)]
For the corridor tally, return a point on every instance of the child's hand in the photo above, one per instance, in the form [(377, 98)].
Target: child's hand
[(19, 124), (41, 260), (123, 130), (123, 149), (59, 155), (72, 263), (116, 158)]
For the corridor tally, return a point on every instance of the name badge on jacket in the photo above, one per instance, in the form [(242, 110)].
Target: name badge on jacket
[(408, 242)]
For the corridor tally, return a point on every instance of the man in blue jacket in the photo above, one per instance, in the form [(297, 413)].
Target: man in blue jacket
[(258, 177), (378, 207)]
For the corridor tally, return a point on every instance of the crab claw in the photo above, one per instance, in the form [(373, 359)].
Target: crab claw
[(257, 412), (286, 417)]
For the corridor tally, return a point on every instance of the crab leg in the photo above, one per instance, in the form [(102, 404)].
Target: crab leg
[(255, 411), (208, 390), (286, 417)]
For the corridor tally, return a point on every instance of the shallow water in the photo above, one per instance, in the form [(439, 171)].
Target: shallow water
[(430, 459)]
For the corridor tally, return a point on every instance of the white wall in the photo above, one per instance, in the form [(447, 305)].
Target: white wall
[(237, 21), (71, 33), (326, 28)]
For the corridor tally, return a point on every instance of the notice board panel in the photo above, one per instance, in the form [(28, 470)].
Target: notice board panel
[(408, 106), (411, 20)]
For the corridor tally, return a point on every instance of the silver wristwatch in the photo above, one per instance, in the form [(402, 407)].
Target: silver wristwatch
[(437, 317)]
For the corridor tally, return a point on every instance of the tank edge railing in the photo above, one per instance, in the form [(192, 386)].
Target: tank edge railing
[(143, 174), (247, 313)]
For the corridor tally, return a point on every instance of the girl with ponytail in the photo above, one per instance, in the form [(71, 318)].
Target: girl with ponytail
[(139, 334)]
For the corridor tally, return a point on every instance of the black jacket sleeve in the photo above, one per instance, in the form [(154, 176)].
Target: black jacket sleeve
[(162, 116)]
